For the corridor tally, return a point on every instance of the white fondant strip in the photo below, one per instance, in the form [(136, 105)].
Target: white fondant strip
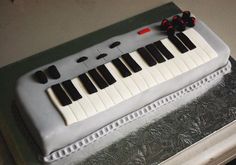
[(80, 144)]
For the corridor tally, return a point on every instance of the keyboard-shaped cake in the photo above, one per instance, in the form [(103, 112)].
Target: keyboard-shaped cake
[(70, 99)]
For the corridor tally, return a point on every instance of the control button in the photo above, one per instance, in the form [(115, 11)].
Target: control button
[(41, 77), (178, 23), (143, 31), (165, 23), (81, 59), (191, 22), (53, 72), (186, 15), (114, 44), (101, 56), (170, 30)]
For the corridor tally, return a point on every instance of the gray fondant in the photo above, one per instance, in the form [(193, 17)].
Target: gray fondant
[(45, 122), (150, 112)]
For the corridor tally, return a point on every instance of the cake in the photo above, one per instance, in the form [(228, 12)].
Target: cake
[(58, 134)]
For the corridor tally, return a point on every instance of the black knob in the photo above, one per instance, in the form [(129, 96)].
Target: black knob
[(178, 23), (165, 23), (186, 15), (41, 77), (53, 72), (170, 30), (191, 22)]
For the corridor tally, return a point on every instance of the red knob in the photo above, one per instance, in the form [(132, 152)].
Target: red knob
[(191, 22), (165, 23), (170, 30)]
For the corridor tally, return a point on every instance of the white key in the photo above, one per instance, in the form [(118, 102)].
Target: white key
[(66, 112), (178, 61), (200, 56), (205, 58), (199, 48), (183, 57), (193, 34), (164, 71), (76, 108), (106, 100), (119, 84), (85, 103), (144, 72), (129, 83), (172, 67), (138, 80), (114, 94), (195, 57), (78, 111), (156, 75)]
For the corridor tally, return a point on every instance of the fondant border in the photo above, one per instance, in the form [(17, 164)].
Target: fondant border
[(80, 144)]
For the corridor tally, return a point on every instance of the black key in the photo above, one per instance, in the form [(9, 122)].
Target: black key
[(106, 74), (101, 83), (41, 77), (165, 52), (130, 61), (114, 44), (187, 42), (53, 72), (71, 90), (124, 71), (178, 44), (88, 85), (61, 95), (146, 56), (155, 53)]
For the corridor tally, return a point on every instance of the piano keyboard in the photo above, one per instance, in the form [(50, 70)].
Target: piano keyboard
[(129, 75)]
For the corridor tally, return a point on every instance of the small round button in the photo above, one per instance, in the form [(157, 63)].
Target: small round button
[(81, 59), (101, 56), (114, 44)]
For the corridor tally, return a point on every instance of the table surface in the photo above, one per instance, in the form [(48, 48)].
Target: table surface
[(11, 72)]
